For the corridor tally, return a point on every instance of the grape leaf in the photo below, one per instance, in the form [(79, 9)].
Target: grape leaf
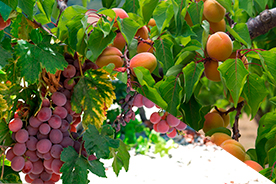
[(93, 91), (74, 169), (121, 158), (21, 28), (171, 91), (11, 3), (234, 74), (162, 15), (35, 57), (254, 92), (27, 7), (9, 176), (192, 73), (5, 11), (99, 143), (5, 134), (5, 55)]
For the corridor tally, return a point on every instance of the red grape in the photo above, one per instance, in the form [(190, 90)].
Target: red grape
[(44, 128), (172, 120), (42, 136), (155, 127), (33, 176), (32, 130), (55, 121), (28, 167), (43, 145), (56, 165), (47, 156), (19, 149), (92, 157), (69, 72), (17, 163), (31, 143), (28, 179), (68, 107), (55, 177), (10, 155), (60, 111), (138, 100), (67, 141), (77, 146), (56, 150), (172, 134), (67, 93), (64, 126), (34, 122), (15, 124), (47, 163), (37, 167), (49, 182), (155, 117), (37, 181), (147, 103), (69, 83), (181, 126), (55, 136), (162, 126), (46, 102), (45, 176), (58, 98), (44, 114), (31, 155)]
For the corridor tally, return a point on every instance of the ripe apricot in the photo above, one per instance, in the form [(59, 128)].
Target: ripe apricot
[(218, 138), (234, 148), (143, 32), (4, 24), (219, 46), (152, 22), (145, 46), (119, 12), (242, 57), (119, 41), (144, 59), (110, 55), (212, 120), (211, 70), (254, 165), (213, 11), (225, 117), (217, 26)]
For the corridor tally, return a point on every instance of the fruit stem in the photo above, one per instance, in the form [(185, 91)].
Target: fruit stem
[(235, 127)]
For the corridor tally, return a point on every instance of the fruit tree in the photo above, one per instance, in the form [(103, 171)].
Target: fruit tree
[(202, 63)]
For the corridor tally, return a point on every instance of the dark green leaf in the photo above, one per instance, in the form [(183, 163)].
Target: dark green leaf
[(196, 11), (272, 157), (254, 92), (247, 5), (35, 57), (131, 6), (175, 70), (11, 3), (144, 77), (234, 74), (93, 88), (178, 9), (121, 158), (242, 30), (98, 143), (171, 92), (5, 56), (107, 3), (10, 176), (148, 7), (236, 35), (5, 11), (36, 36), (262, 3), (75, 167), (192, 73), (5, 133), (162, 15), (27, 7), (269, 58), (128, 28), (46, 7)]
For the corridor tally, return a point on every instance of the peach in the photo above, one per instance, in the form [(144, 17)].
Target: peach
[(212, 120), (143, 32), (152, 22), (211, 70), (145, 46), (218, 138), (110, 55), (234, 148), (119, 41), (219, 46), (254, 165), (144, 59), (119, 13), (217, 26), (213, 11), (225, 117)]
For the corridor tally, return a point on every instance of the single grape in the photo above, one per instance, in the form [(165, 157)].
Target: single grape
[(15, 124), (46, 102), (44, 128), (19, 149), (47, 156), (37, 167), (58, 98), (33, 176), (181, 126), (55, 136), (147, 103), (38, 181), (49, 170), (69, 118), (28, 167), (43, 145), (66, 133), (60, 111), (162, 126), (42, 136), (155, 117), (44, 114), (45, 176), (39, 155), (17, 163), (138, 100), (172, 120), (32, 130), (55, 121), (55, 177), (10, 155), (31, 143), (67, 93), (68, 107), (69, 83), (92, 157), (67, 141), (77, 146), (64, 126), (56, 150), (47, 163), (69, 72), (172, 134), (155, 127), (31, 155), (28, 179), (49, 182), (56, 165), (34, 122)]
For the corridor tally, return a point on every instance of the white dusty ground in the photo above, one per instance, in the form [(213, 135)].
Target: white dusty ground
[(186, 164)]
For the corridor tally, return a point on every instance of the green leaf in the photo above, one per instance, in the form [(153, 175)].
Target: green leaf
[(247, 5), (10, 176), (196, 11), (3, 104), (35, 57), (234, 74), (164, 53), (46, 7), (5, 133), (162, 15), (192, 73), (144, 76), (91, 93), (242, 30), (269, 59), (171, 92), (262, 3), (131, 6), (5, 56), (219, 129), (254, 92), (36, 36), (74, 169), (179, 6), (147, 8), (227, 4), (237, 36), (11, 3), (97, 42), (5, 11), (27, 7), (128, 28), (98, 143), (107, 3), (121, 158), (272, 157)]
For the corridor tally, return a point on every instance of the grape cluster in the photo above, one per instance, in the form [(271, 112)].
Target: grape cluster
[(166, 123), (40, 141)]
